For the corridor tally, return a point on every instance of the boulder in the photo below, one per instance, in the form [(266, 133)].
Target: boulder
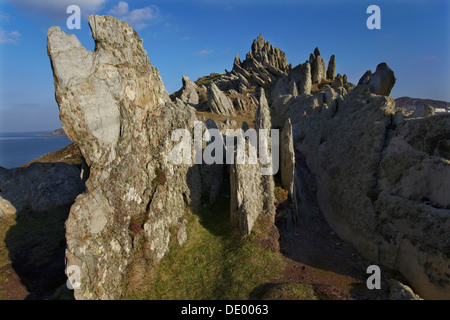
[(381, 82), (189, 91), (39, 187), (423, 110)]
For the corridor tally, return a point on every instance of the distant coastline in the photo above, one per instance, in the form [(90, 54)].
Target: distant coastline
[(55, 133)]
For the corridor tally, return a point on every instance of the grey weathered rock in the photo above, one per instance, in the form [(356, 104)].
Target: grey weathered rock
[(330, 94), (245, 195), (113, 103), (381, 82), (380, 187), (262, 117), (365, 77), (189, 91), (287, 158), (218, 102), (331, 68), (423, 110), (293, 88), (338, 81), (264, 54), (318, 70), (399, 291), (252, 192), (301, 75), (39, 187), (263, 121)]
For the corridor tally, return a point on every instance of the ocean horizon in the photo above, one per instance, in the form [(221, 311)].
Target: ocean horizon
[(19, 148)]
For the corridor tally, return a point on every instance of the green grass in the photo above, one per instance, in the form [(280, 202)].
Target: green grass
[(204, 81), (215, 262), (289, 291), (5, 223)]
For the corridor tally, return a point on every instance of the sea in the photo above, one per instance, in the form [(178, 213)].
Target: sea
[(19, 148)]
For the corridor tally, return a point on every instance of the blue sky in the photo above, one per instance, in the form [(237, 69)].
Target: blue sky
[(197, 37)]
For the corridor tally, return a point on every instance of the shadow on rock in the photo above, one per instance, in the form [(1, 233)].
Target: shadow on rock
[(36, 245), (39, 196)]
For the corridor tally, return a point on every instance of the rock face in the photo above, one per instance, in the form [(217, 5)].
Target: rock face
[(218, 102), (381, 82), (114, 105), (379, 183), (39, 187)]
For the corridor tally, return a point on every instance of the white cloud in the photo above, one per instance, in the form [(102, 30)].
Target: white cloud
[(4, 17), (204, 52), (137, 18), (9, 37), (430, 58), (57, 9), (120, 10)]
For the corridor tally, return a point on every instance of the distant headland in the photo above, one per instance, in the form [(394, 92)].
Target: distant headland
[(54, 133)]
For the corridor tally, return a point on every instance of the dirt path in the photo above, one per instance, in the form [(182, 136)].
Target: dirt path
[(315, 254), (11, 288), (321, 259)]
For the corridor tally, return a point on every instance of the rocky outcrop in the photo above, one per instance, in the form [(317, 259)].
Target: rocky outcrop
[(301, 76), (331, 70), (114, 105), (381, 82), (380, 184), (218, 102), (39, 187), (318, 70), (265, 55), (189, 91), (380, 179)]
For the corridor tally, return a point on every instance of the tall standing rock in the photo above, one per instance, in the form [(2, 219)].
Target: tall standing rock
[(287, 158), (263, 122), (318, 70), (246, 202), (252, 189), (114, 105), (331, 68)]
